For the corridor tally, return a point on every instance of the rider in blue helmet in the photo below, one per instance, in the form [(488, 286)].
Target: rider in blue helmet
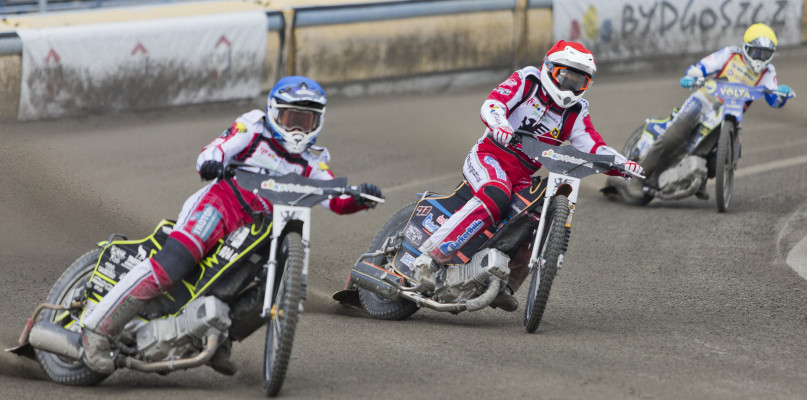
[(295, 110), (279, 141)]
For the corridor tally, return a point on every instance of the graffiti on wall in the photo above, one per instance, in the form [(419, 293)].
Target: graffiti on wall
[(652, 27)]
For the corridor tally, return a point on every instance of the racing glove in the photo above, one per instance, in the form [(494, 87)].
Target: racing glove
[(784, 91), (372, 190), (687, 82), (632, 166), (211, 169), (502, 134)]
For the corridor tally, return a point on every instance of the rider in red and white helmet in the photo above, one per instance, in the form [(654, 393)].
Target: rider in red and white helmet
[(545, 103), (567, 72)]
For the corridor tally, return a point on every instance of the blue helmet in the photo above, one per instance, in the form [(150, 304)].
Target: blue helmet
[(295, 110)]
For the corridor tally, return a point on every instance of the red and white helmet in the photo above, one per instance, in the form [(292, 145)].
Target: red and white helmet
[(567, 72)]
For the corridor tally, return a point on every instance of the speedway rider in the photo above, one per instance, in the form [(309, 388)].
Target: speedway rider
[(546, 102), (280, 140), (750, 65)]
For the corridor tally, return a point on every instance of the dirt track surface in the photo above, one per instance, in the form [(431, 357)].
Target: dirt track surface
[(667, 301)]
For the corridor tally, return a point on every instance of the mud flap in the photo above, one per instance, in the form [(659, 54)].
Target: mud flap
[(25, 350)]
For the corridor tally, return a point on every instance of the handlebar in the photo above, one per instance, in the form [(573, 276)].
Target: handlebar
[(535, 149), (292, 187), (701, 82)]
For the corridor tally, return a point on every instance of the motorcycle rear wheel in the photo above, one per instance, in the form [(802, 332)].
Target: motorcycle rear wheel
[(71, 284), (621, 187), (375, 305), (542, 277), (285, 313), (725, 166)]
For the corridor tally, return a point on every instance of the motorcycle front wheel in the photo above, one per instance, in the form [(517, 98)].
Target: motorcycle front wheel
[(725, 166), (67, 289), (284, 314), (375, 305), (541, 280)]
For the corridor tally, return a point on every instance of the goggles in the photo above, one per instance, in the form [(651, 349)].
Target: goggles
[(759, 53), (295, 119), (569, 78)]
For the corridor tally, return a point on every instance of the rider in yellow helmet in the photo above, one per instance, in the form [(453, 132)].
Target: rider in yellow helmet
[(759, 44), (750, 65)]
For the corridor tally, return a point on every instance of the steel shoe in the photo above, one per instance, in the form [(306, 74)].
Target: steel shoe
[(97, 352), (505, 300), (220, 362)]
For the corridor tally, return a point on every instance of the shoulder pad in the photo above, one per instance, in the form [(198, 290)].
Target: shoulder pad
[(530, 70), (318, 154), (253, 121), (254, 117)]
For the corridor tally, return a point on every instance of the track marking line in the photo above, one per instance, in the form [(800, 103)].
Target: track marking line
[(773, 165)]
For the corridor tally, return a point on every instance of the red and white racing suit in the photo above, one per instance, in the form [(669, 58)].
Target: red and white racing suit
[(209, 215), (495, 171)]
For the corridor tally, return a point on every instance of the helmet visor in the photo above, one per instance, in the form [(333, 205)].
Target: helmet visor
[(759, 53), (294, 119), (569, 78)]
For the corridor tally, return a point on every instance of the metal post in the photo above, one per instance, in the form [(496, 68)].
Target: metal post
[(43, 5)]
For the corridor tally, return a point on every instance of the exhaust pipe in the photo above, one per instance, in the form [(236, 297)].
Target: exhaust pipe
[(475, 304), (171, 365), (55, 339)]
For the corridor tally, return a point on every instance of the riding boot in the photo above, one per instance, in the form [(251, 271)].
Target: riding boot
[(505, 300), (701, 193)]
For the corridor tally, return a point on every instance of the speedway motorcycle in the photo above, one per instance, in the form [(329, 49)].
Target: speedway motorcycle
[(256, 275), (531, 239), (712, 151)]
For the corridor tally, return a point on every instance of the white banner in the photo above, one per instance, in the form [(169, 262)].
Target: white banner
[(635, 29), (76, 70)]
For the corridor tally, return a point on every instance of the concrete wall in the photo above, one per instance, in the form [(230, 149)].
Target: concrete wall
[(344, 41), (405, 47), (10, 75)]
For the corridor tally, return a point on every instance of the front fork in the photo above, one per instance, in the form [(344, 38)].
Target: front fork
[(555, 181), (282, 215)]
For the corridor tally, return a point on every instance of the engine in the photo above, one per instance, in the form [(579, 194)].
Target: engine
[(183, 335), (466, 281), (683, 179)]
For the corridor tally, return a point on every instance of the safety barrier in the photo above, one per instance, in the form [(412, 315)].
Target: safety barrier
[(352, 46)]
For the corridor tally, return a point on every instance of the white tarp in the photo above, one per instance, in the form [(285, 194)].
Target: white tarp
[(625, 30), (141, 64)]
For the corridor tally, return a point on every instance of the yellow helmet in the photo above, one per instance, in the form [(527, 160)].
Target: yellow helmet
[(759, 44)]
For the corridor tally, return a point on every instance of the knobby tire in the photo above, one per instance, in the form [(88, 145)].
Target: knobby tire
[(286, 305), (725, 166), (542, 277), (64, 370), (375, 305)]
